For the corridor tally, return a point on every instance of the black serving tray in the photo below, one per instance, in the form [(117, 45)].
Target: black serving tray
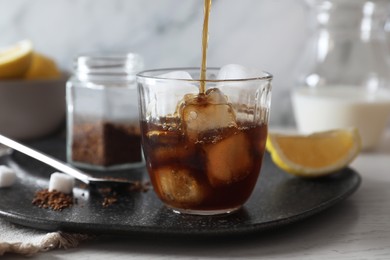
[(278, 199)]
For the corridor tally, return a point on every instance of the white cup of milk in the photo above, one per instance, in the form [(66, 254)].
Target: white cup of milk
[(339, 106)]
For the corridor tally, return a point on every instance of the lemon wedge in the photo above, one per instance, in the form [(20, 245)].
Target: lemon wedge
[(15, 59), (314, 155), (42, 67)]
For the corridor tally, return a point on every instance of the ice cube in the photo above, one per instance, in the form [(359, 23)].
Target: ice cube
[(228, 160), (7, 176), (234, 89), (163, 137), (61, 182), (167, 146), (216, 97), (178, 74), (166, 154), (166, 94), (204, 112), (178, 186), (235, 71)]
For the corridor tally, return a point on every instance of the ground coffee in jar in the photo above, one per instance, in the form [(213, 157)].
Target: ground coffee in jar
[(106, 144), (102, 113)]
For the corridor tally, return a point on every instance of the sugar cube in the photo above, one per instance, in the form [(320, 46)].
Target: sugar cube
[(7, 176), (61, 182)]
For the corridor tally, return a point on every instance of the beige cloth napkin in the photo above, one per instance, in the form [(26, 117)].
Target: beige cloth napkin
[(26, 241)]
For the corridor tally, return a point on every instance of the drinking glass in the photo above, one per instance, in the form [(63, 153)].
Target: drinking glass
[(203, 151)]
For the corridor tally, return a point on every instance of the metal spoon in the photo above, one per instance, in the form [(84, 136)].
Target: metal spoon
[(63, 167)]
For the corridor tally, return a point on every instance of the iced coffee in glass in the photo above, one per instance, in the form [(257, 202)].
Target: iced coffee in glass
[(203, 148)]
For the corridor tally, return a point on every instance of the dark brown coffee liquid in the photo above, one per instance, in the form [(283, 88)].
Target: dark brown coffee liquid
[(216, 172)]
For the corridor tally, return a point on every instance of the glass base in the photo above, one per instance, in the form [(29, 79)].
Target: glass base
[(117, 167), (204, 212)]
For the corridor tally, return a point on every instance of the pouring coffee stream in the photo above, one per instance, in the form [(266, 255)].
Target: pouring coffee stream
[(205, 39)]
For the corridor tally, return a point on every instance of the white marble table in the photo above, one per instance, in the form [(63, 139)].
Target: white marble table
[(357, 228)]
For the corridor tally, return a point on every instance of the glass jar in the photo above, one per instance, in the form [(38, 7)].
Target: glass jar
[(102, 113), (343, 79)]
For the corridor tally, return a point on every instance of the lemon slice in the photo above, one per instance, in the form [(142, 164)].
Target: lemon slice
[(42, 67), (15, 59), (314, 155)]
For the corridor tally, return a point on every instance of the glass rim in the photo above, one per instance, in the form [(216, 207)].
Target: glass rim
[(112, 56), (108, 63), (268, 76)]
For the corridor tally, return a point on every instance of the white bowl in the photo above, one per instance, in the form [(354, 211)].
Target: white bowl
[(31, 108)]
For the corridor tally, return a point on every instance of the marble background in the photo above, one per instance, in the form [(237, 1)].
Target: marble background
[(267, 34)]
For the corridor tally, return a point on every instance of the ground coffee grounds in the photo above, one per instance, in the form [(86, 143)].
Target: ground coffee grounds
[(106, 144), (54, 200)]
